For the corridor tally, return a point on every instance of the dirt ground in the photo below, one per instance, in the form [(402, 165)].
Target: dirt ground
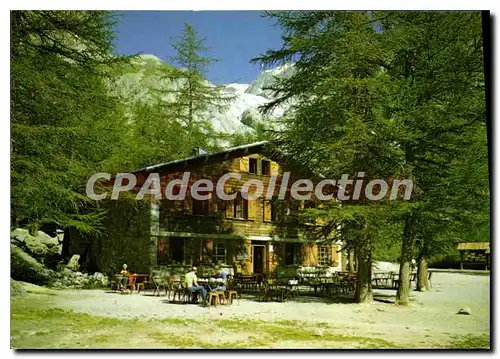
[(429, 321), (49, 318)]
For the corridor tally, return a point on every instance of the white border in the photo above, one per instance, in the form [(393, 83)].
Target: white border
[(184, 5)]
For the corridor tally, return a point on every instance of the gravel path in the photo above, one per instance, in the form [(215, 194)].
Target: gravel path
[(431, 318)]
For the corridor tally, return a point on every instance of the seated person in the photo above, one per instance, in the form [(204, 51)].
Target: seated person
[(125, 273), (222, 280), (191, 283), (124, 270)]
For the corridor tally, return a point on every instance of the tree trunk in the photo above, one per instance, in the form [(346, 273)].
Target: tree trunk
[(364, 270), (350, 261), (403, 294), (422, 275), (66, 244)]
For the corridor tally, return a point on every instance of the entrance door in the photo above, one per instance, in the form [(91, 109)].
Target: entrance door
[(258, 259)]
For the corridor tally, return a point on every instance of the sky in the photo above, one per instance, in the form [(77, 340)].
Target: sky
[(233, 36)]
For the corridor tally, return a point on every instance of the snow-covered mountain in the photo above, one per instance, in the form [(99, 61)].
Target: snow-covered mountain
[(138, 80)]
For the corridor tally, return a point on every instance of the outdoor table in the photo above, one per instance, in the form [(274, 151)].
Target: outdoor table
[(246, 282), (383, 279), (134, 279), (276, 290)]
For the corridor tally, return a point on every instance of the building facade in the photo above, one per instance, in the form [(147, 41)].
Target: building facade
[(250, 236)]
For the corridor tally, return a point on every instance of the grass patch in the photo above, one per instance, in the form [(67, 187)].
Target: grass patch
[(470, 342)]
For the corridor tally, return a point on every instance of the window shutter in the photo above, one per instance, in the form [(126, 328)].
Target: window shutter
[(229, 209), (274, 168), (213, 204), (244, 165), (252, 209), (267, 211)]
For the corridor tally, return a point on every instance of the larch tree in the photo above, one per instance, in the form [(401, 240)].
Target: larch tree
[(391, 94), (334, 124), (63, 120), (193, 94)]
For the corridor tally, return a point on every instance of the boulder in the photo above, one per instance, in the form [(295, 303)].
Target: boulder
[(73, 263), (18, 235), (464, 311), (26, 268), (101, 278), (41, 247)]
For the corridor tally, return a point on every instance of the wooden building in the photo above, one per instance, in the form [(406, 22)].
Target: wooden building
[(475, 254), (252, 236)]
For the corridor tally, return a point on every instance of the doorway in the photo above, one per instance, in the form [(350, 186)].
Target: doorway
[(258, 259)]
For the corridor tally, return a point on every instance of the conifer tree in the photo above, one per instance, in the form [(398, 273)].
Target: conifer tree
[(194, 94), (63, 120), (392, 94)]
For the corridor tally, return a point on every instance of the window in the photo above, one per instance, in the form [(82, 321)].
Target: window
[(237, 208), (200, 207), (277, 210), (252, 165), (162, 253), (266, 168), (324, 255), (240, 207), (292, 253), (219, 251), (176, 247)]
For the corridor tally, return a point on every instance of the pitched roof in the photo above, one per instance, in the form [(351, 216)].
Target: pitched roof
[(203, 156), (475, 246)]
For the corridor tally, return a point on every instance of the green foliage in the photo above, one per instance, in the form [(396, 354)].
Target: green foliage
[(69, 121), (63, 120), (195, 94), (16, 289)]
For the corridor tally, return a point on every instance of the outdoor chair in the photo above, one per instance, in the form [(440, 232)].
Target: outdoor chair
[(216, 297), (141, 285), (231, 291), (181, 292), (131, 283), (117, 283), (231, 295), (125, 282), (160, 281), (221, 296)]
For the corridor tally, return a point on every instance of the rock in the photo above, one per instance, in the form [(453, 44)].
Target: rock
[(464, 311), (73, 263), (60, 235), (27, 269), (19, 234), (17, 290), (318, 333), (42, 247), (101, 278)]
